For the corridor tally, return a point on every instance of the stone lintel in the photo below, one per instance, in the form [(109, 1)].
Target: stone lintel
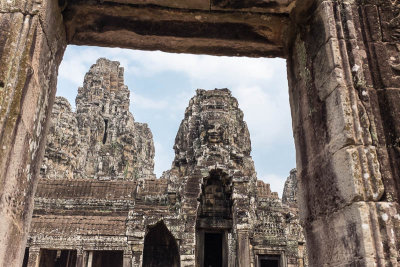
[(230, 33)]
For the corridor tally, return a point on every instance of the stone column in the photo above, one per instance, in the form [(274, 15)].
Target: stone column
[(90, 259), (137, 258), (347, 191), (243, 252), (127, 261), (32, 42), (81, 258), (34, 257)]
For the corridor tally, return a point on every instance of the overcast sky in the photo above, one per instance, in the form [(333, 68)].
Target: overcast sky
[(161, 85)]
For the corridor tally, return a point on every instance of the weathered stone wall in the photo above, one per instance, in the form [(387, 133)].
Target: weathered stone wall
[(342, 109), (32, 43)]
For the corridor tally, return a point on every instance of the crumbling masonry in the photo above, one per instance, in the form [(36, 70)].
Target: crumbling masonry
[(343, 71), (99, 202)]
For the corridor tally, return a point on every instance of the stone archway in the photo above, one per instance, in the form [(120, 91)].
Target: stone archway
[(343, 68), (160, 248)]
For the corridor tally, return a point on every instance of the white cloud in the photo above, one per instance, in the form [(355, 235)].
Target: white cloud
[(162, 159), (77, 63), (200, 66), (139, 101), (267, 114), (229, 70)]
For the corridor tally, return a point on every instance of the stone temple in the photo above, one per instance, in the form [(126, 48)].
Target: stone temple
[(98, 202)]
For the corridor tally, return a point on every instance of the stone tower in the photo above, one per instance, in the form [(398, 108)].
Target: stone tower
[(98, 201), (101, 139)]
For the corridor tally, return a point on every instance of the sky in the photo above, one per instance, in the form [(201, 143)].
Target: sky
[(161, 85)]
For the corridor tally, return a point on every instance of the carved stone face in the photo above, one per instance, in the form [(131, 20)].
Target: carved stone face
[(214, 133)]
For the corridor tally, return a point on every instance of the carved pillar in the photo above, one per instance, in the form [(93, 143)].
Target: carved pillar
[(348, 201), (34, 257), (32, 42)]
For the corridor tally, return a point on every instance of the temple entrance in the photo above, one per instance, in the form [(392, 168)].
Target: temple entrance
[(268, 261), (106, 258), (160, 248), (213, 250), (214, 220), (57, 258)]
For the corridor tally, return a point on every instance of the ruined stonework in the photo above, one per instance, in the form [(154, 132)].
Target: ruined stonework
[(343, 71), (208, 209), (289, 196), (100, 139)]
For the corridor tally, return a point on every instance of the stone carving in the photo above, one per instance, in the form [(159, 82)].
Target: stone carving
[(100, 139), (289, 196), (340, 224), (208, 203)]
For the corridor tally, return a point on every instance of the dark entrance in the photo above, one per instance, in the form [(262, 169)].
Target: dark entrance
[(268, 261), (57, 258), (213, 250), (160, 248), (107, 258)]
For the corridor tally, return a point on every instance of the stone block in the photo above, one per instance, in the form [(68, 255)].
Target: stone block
[(347, 120), (351, 174), (361, 234), (357, 171)]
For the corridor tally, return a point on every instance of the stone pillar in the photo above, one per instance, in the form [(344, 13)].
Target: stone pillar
[(137, 258), (34, 257), (32, 42), (348, 193), (90, 259), (127, 261), (81, 258), (243, 252)]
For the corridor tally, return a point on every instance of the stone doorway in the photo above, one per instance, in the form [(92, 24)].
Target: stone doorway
[(214, 220), (160, 248), (57, 258), (105, 258), (213, 249), (268, 261)]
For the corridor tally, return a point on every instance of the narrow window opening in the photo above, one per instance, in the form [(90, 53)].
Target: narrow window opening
[(102, 109), (105, 131)]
